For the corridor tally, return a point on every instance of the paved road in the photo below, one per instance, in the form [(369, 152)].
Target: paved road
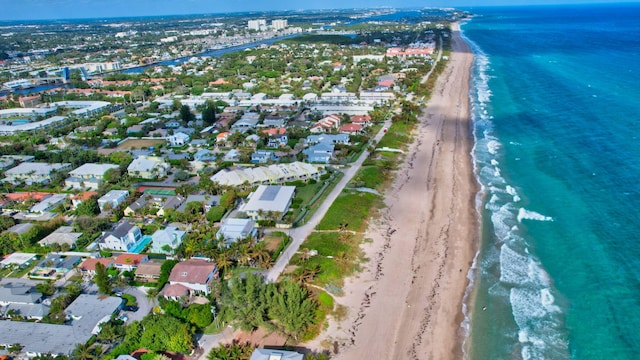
[(300, 233), (144, 305)]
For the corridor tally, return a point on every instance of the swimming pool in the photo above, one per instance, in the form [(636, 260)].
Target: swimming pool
[(141, 245)]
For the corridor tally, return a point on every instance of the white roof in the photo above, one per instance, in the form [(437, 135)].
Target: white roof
[(144, 163), (92, 169), (272, 173), (270, 198), (35, 168), (114, 195), (17, 258)]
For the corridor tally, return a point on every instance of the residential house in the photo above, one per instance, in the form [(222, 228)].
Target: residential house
[(232, 155), (328, 139), (17, 259), (364, 120), (113, 198), (272, 174), (169, 202), (135, 129), (269, 202), (194, 275), (208, 201), (320, 153), (19, 299), (351, 129), (88, 176), (173, 124), (78, 199), (273, 354), (48, 204), (222, 137), (124, 237), (204, 155), (278, 141), (247, 122), (232, 229), (178, 139), (165, 241), (148, 167), (88, 267), (33, 173), (85, 314), (263, 157), (149, 271), (62, 235), (129, 262), (55, 265), (326, 124)]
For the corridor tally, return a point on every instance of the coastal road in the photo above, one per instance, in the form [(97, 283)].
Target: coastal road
[(299, 234)]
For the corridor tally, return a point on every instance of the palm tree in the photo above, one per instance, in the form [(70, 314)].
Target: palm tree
[(260, 255), (82, 352)]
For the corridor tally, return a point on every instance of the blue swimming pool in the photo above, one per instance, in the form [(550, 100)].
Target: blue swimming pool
[(141, 245)]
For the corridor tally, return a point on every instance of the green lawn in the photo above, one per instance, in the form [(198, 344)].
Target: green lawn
[(370, 177), (337, 258), (397, 137), (351, 209)]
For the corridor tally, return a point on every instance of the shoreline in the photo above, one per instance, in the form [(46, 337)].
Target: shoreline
[(408, 300)]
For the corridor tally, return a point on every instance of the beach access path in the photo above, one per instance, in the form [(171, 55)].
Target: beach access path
[(407, 303)]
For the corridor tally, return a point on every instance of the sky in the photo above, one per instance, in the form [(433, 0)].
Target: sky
[(67, 9)]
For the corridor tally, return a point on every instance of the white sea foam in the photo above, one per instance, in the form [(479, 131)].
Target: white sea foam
[(494, 162), (511, 191), (493, 146), (532, 215), (514, 267)]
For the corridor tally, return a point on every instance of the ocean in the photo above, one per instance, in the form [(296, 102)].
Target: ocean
[(556, 111)]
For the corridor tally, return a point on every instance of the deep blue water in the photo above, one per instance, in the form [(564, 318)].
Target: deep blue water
[(556, 109)]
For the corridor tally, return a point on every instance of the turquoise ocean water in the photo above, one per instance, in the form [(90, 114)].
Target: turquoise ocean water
[(556, 109)]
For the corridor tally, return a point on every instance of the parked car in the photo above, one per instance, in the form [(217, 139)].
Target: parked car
[(130, 308)]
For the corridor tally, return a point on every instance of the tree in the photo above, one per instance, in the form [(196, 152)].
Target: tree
[(233, 351), (102, 279), (112, 176), (247, 299), (209, 113), (83, 352), (292, 310), (165, 333), (88, 207), (215, 213), (185, 114), (46, 288), (199, 315), (165, 271)]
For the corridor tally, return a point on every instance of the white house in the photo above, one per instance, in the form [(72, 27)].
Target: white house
[(33, 173), (113, 198), (178, 139), (148, 167), (269, 201), (123, 238), (89, 176), (170, 236), (232, 230)]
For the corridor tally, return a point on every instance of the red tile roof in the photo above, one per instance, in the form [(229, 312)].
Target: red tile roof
[(90, 264), (130, 259)]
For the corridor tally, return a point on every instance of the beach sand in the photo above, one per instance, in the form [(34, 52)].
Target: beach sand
[(407, 303)]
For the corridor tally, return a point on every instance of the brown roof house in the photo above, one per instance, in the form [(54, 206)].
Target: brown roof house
[(88, 267), (193, 276), (149, 271)]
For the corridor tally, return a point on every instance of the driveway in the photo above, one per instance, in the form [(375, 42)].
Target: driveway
[(144, 305)]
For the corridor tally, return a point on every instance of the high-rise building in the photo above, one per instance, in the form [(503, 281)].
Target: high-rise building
[(279, 24), (257, 24)]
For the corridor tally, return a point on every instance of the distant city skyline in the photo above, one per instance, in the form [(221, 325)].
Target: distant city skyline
[(72, 9)]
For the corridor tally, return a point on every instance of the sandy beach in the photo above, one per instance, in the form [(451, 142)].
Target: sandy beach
[(407, 302)]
